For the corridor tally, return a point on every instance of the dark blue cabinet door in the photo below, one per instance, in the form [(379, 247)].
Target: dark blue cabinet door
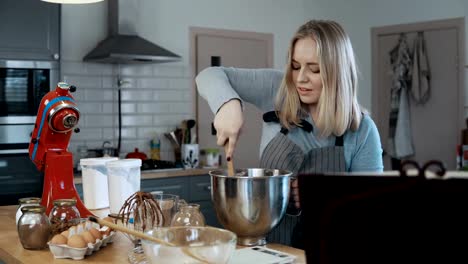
[(30, 30)]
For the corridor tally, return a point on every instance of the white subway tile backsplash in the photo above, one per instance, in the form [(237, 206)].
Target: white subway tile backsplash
[(108, 108), (99, 95), (154, 101), (109, 82), (109, 133), (167, 95), (151, 132), (81, 68), (181, 83), (127, 133), (87, 133), (73, 68), (169, 71), (137, 70), (154, 107), (137, 120), (79, 94), (128, 108), (153, 83), (99, 68), (97, 144), (84, 81), (89, 108), (99, 120), (136, 95), (167, 120)]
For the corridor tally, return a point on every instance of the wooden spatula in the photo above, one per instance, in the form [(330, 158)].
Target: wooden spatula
[(143, 236), (230, 164)]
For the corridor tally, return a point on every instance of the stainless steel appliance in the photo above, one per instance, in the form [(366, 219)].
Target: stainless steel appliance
[(22, 86)]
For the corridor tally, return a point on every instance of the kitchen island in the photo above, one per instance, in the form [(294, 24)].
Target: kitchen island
[(11, 250)]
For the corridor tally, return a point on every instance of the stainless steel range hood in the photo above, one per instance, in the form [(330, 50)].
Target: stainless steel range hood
[(123, 45)]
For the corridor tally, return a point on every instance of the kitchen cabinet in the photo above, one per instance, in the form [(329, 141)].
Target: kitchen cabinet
[(29, 30), (193, 189), (18, 178)]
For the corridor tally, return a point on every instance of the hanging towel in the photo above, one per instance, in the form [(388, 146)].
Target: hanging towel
[(420, 87), (400, 144)]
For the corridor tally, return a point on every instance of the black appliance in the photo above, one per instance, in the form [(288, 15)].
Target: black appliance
[(364, 218)]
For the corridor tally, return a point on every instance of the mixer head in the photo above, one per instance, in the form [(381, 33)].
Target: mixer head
[(57, 117)]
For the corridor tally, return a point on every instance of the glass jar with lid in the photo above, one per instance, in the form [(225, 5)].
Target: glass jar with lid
[(27, 201), (63, 215), (34, 227), (188, 215)]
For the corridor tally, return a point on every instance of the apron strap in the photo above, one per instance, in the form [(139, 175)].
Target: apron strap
[(339, 141), (272, 116)]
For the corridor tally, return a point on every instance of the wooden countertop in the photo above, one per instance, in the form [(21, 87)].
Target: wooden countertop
[(11, 250), (155, 174)]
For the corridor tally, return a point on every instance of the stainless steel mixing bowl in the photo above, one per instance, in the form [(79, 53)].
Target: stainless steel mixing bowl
[(250, 203)]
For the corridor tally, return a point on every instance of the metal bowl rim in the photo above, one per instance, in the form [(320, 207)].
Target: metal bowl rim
[(284, 173)]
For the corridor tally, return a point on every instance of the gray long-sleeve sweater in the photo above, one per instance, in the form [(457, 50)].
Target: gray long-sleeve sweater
[(218, 85)]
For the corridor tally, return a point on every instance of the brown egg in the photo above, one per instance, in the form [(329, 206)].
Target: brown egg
[(59, 240), (88, 237), (65, 233), (76, 241), (96, 234)]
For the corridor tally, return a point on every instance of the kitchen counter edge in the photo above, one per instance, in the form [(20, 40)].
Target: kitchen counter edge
[(145, 175)]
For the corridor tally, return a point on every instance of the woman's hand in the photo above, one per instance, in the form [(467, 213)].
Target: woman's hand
[(228, 123)]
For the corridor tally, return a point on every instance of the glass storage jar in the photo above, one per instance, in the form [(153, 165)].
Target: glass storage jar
[(34, 227), (22, 202), (188, 215), (64, 215)]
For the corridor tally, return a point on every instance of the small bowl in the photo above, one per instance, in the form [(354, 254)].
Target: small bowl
[(191, 244)]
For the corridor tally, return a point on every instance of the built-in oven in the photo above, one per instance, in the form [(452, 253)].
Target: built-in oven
[(22, 86)]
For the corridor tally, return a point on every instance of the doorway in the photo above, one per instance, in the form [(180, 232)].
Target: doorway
[(436, 124), (228, 48)]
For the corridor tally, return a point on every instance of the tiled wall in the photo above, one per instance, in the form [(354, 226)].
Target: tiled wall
[(155, 99)]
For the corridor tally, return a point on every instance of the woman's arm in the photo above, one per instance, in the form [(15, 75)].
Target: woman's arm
[(368, 153), (218, 85)]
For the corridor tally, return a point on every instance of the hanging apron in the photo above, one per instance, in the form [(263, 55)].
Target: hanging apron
[(284, 153)]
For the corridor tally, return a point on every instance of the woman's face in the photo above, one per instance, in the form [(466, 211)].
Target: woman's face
[(306, 71)]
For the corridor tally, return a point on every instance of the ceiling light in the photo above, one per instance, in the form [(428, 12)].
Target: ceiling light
[(72, 1)]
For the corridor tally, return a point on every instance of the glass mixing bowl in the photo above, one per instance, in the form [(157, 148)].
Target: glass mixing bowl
[(190, 244)]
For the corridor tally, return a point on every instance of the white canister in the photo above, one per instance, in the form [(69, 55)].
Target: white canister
[(95, 185), (190, 156), (124, 180)]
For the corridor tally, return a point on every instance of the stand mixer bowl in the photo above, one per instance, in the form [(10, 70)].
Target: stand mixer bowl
[(251, 203)]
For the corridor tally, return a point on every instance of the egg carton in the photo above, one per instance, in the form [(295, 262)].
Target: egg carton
[(65, 251)]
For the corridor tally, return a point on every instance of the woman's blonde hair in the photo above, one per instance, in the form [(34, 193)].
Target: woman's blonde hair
[(338, 108)]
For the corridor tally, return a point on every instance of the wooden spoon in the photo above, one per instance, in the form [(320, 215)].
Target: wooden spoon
[(230, 164), (142, 236)]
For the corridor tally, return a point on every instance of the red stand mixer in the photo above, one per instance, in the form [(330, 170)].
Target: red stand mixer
[(56, 120)]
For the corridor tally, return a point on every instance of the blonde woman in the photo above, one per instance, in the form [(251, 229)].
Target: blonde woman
[(313, 121)]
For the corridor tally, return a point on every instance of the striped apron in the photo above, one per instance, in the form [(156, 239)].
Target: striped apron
[(282, 153)]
